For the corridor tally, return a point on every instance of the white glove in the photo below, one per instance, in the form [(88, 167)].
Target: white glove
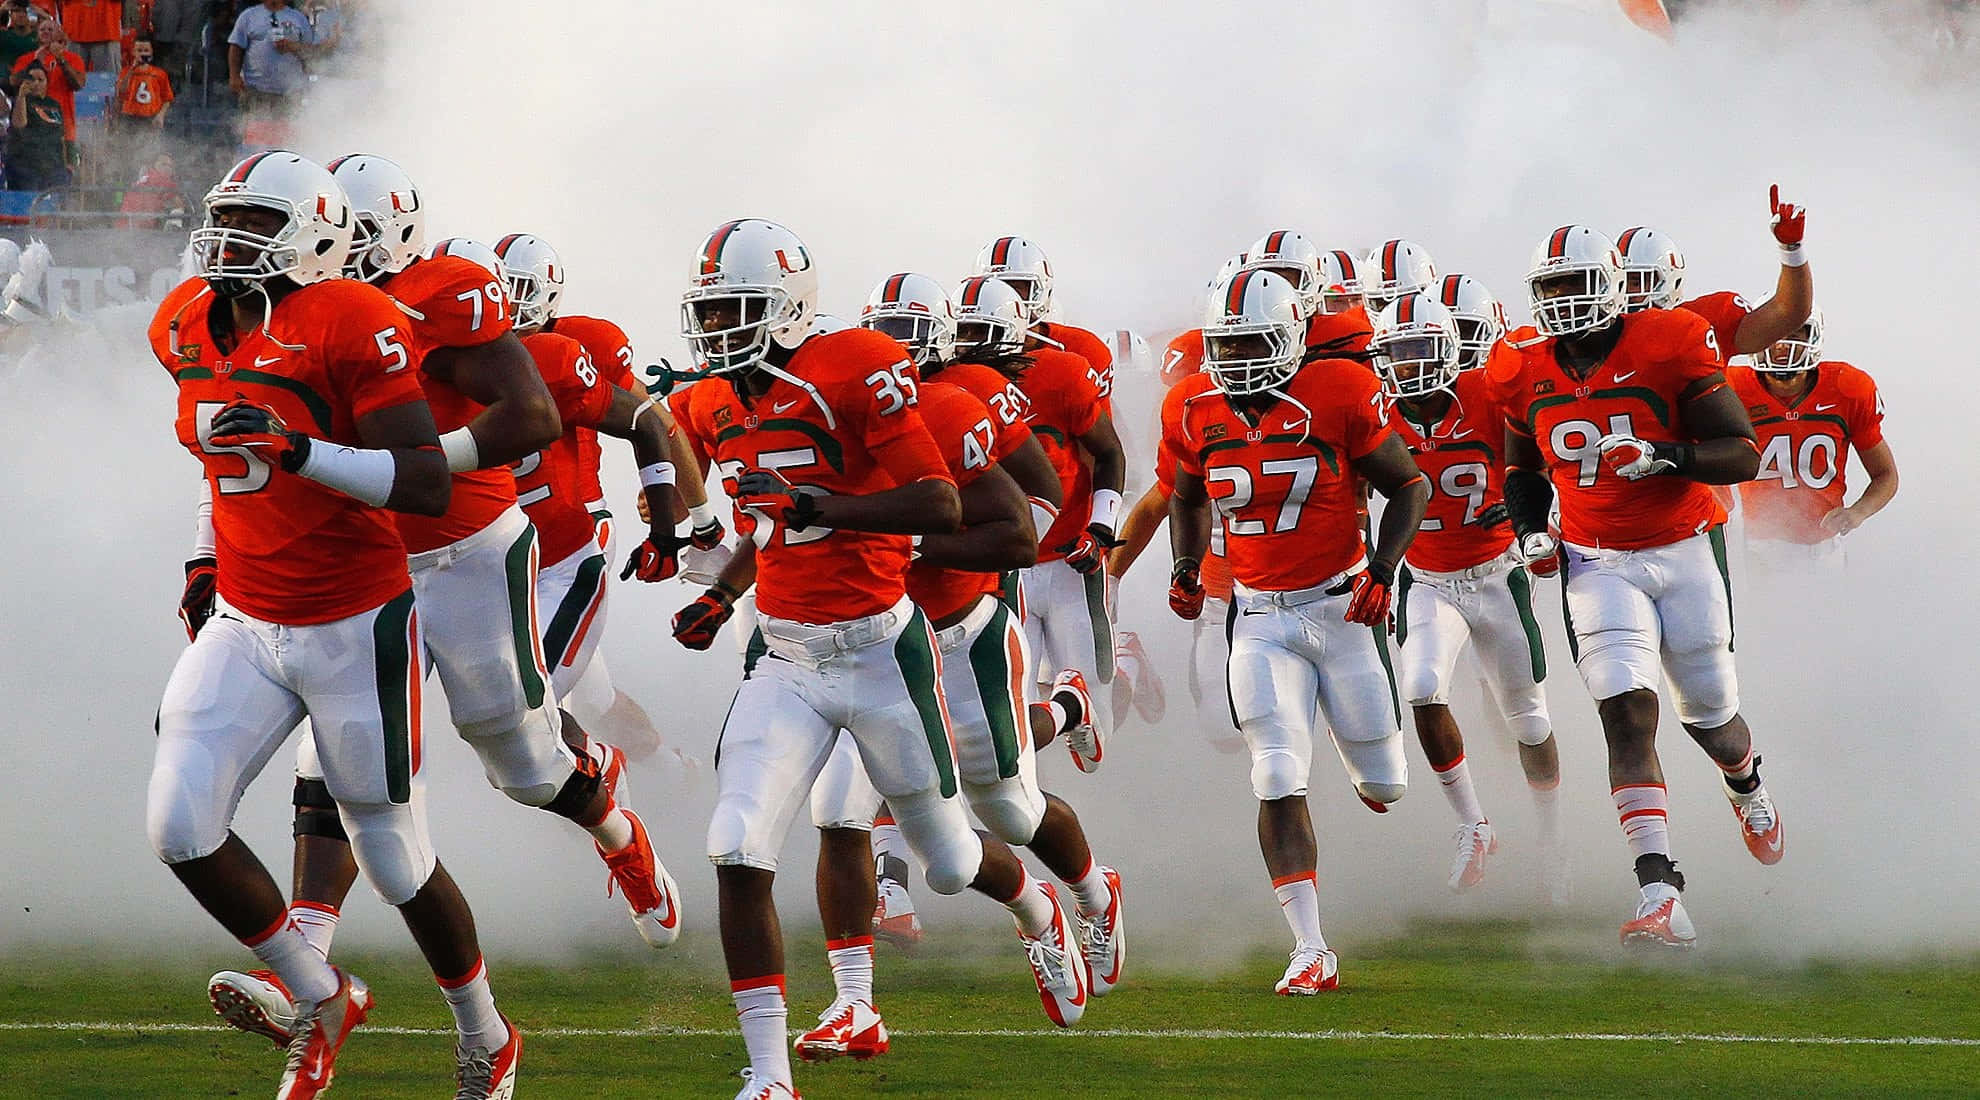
[(1632, 458), (703, 566), (1536, 546)]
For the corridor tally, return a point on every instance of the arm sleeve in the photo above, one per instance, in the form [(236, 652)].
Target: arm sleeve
[(899, 441), (458, 310), (1365, 428), (580, 403), (238, 37), (952, 416), (1696, 353), (369, 376), (1866, 420), (1176, 453), (1083, 399)]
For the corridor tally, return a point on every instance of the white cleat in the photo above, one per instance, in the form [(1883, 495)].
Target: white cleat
[(1083, 739), (1475, 843), (1103, 939), (1058, 966), (484, 1074), (756, 1089), (1312, 970), (1660, 920), (849, 1028), (255, 1002), (1759, 824)]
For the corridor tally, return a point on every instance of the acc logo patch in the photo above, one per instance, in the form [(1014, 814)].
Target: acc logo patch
[(1545, 385), (189, 353), (723, 417), (1215, 432)]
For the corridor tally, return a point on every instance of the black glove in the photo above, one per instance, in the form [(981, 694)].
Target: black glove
[(196, 602)]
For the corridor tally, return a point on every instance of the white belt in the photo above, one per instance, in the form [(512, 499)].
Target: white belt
[(1501, 564), (1336, 585), (950, 638), (501, 529), (809, 644)]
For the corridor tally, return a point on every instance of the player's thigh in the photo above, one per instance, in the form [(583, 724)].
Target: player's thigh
[(362, 690), (1612, 627), (1274, 688), (1433, 633), (483, 631), (773, 744), (1694, 608), (842, 797), (1505, 636), (984, 683), (223, 715), (571, 596)]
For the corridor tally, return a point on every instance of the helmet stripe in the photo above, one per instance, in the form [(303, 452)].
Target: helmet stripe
[(332, 166), (1346, 260), (246, 167), (1406, 309), (1557, 247), (1389, 252), (892, 294), (1450, 294), (972, 290), (711, 253), (1622, 243), (1234, 298), (502, 246), (1275, 244), (1000, 253)]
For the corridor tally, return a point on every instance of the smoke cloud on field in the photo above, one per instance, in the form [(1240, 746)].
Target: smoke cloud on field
[(1140, 149)]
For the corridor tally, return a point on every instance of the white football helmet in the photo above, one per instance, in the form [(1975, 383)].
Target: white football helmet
[(754, 284), (535, 275), (992, 318), (391, 220), (1340, 281), (1023, 265), (1576, 282), (1481, 320), (915, 310), (825, 324), (1292, 258), (1397, 268), (1254, 333), (467, 248), (1796, 352), (1415, 346), (310, 246), (1653, 270)]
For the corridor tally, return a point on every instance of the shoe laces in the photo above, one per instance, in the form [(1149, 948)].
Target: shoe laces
[(1097, 933), (631, 874), (1049, 959), (1303, 959), (475, 1072), (841, 1007), (301, 1034), (1756, 812)]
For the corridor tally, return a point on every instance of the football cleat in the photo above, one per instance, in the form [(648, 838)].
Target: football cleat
[(1083, 739), (850, 1028), (1474, 844), (649, 890), (1759, 823), (1103, 939), (319, 1033), (255, 1002), (756, 1089), (1312, 970), (1057, 965), (483, 1074), (894, 918), (1150, 702), (611, 770), (1660, 920)]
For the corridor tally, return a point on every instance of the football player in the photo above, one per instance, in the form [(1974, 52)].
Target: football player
[(1810, 412), (1023, 266), (832, 464), (1461, 583), (296, 396), (1653, 274), (1337, 322), (1627, 420), (1282, 450)]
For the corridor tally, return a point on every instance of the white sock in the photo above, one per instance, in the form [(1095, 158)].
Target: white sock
[(887, 841), (474, 1009), (761, 1013), (1645, 813), (1547, 801), (1091, 890), (1462, 796), (1299, 899), (852, 967), (318, 923), (283, 949), (1031, 906), (614, 831)]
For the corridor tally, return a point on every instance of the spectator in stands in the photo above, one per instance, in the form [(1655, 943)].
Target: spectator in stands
[(265, 55), (97, 29), (37, 155), (62, 66), (144, 91), (155, 200), (175, 30), (17, 38)]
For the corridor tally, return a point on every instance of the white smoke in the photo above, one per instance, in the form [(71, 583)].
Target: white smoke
[(1140, 145)]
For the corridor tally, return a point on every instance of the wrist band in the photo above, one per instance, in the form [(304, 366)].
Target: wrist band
[(703, 515), (203, 521), (1793, 255), (463, 453), (1106, 508), (359, 473), (660, 473)]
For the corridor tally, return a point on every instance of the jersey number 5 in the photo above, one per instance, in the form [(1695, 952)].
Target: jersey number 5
[(257, 473)]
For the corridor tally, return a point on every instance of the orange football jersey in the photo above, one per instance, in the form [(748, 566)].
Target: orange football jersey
[(1662, 357), (853, 427), (1285, 487), (1343, 334), (1007, 401), (1079, 341), (1723, 311), (292, 550), (1804, 449), (612, 355), (971, 441), (453, 302), (550, 483), (1462, 456), (1216, 570), (1183, 357), (1065, 404)]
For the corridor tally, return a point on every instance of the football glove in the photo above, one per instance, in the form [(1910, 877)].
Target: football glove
[(1540, 552), (1494, 515), (769, 494), (1790, 220), (1634, 459), (196, 602), (242, 423), (1186, 588), (1087, 553), (696, 625), (657, 558), (1369, 605)]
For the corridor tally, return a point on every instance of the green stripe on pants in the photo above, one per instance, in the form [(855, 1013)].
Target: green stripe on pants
[(1103, 630), (522, 593), (914, 652), (1718, 537), (1405, 580), (570, 611), (1381, 632), (1522, 594), (391, 651), (990, 664)]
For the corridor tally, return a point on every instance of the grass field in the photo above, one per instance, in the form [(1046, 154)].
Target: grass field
[(1474, 1009)]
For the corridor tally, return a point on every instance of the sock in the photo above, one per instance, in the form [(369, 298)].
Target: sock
[(1091, 890), (318, 923), (761, 1013), (1299, 899), (888, 845), (1743, 777), (1068, 712), (1458, 790), (613, 831), (473, 1004), (1645, 811), (1031, 906), (1547, 802), (852, 967), (282, 948)]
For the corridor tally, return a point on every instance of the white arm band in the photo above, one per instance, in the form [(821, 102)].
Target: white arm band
[(463, 454), (1793, 255), (1043, 515), (203, 521), (356, 472), (703, 514), (1106, 508), (660, 473)]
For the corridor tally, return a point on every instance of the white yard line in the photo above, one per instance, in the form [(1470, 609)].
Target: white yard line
[(1214, 1034)]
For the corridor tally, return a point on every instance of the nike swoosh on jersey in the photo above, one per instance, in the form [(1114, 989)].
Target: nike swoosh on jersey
[(1621, 377), (784, 406), (1823, 408), (260, 362)]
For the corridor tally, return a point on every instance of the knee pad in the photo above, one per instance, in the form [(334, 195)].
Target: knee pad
[(935, 828), (1378, 768), (842, 797), (180, 829), (1531, 729), (1706, 687), (1007, 809), (1614, 662), (316, 811), (1419, 684), (1385, 793), (728, 840), (1276, 774), (390, 844), (530, 763)]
